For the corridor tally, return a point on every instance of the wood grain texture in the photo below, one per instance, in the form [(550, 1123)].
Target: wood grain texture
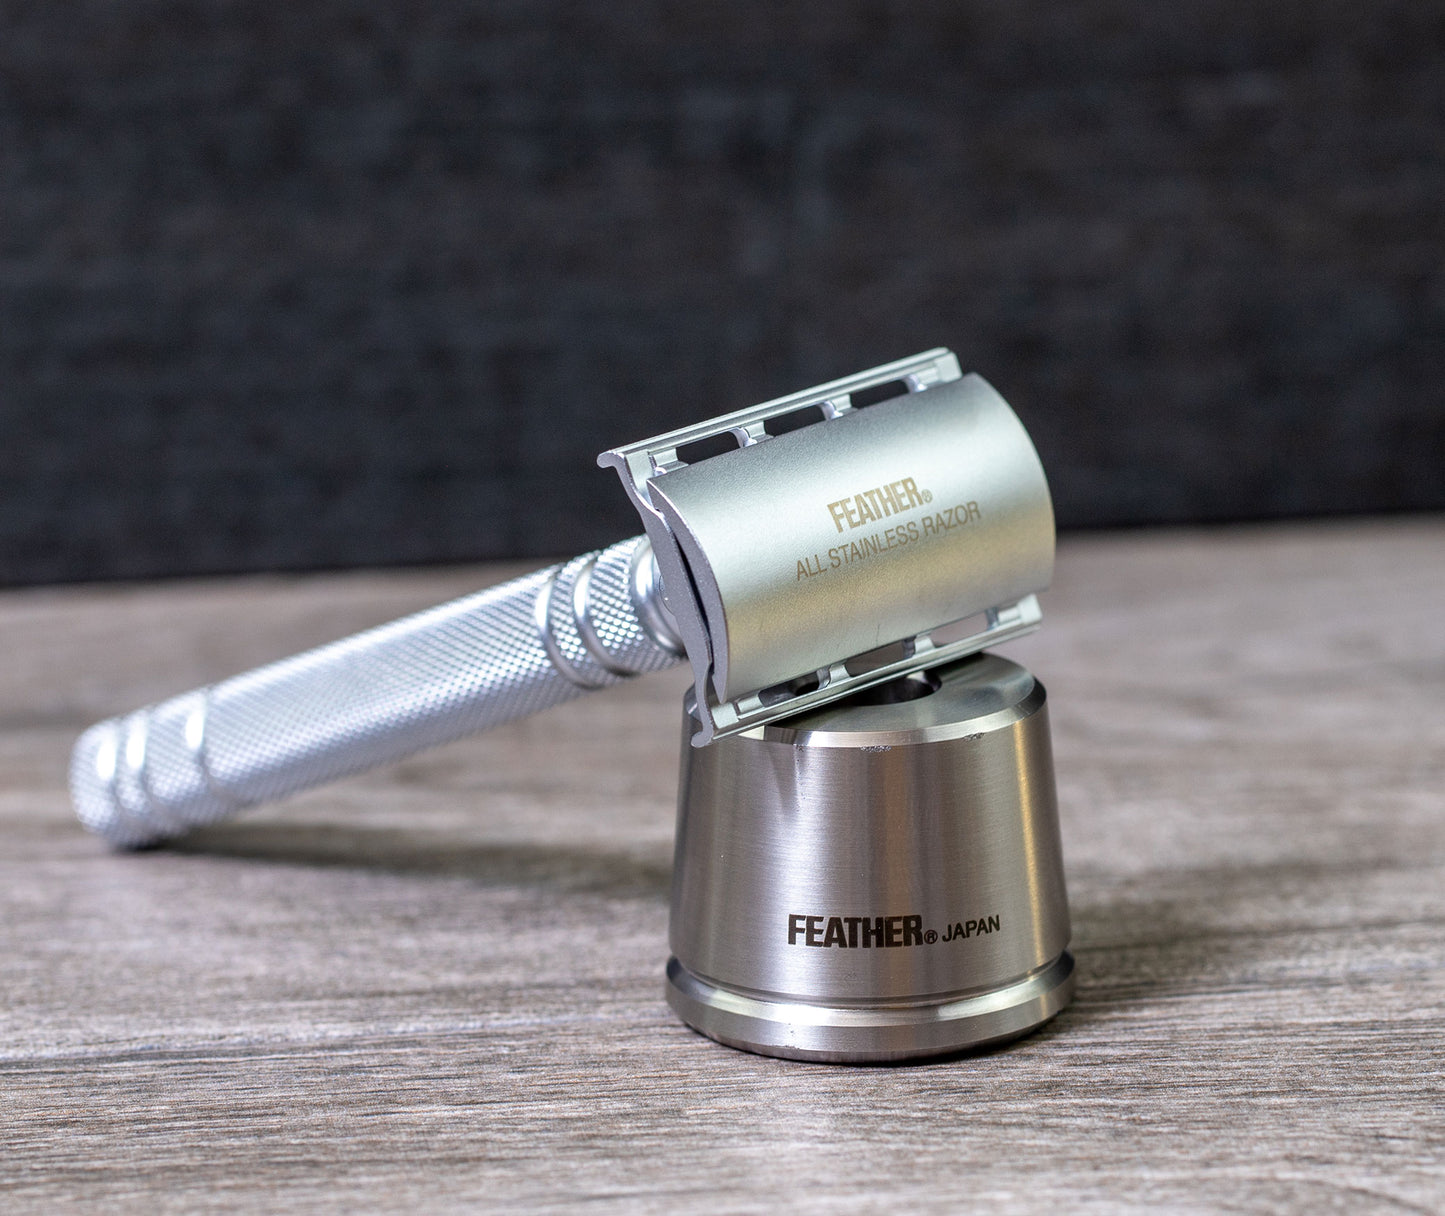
[(439, 987)]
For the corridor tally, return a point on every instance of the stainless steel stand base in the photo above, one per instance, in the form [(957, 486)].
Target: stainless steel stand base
[(877, 880), (831, 1034)]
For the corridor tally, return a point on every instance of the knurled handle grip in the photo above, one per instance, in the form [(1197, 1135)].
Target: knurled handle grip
[(366, 700)]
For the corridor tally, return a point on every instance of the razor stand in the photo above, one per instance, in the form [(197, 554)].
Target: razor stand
[(877, 880)]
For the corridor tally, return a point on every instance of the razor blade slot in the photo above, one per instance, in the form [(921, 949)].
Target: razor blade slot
[(956, 631), (705, 449), (862, 398), (784, 424), (871, 660), (778, 693)]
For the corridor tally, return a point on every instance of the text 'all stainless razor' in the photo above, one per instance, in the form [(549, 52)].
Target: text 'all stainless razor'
[(796, 552)]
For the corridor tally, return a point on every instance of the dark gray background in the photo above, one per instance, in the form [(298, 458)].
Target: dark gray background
[(302, 284)]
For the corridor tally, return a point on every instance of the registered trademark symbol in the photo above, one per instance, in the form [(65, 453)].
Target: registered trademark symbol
[(927, 495), (930, 937)]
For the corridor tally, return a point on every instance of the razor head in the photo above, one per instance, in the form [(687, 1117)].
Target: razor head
[(831, 540)]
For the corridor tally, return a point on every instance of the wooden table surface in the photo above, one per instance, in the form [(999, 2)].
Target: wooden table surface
[(440, 987)]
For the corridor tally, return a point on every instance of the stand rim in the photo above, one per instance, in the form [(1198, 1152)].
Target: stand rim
[(838, 1034)]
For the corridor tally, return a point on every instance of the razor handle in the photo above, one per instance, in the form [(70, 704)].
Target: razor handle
[(462, 667)]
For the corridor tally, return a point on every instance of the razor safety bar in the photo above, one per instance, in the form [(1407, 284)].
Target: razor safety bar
[(796, 552)]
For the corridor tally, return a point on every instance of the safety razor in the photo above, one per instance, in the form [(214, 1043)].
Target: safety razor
[(795, 552)]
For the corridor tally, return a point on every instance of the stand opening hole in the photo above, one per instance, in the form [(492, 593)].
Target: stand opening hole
[(912, 687)]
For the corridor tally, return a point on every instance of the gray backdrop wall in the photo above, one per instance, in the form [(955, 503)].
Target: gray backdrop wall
[(310, 284)]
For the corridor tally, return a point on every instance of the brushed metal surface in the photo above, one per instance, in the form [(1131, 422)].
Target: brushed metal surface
[(794, 557), (966, 524), (876, 855)]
